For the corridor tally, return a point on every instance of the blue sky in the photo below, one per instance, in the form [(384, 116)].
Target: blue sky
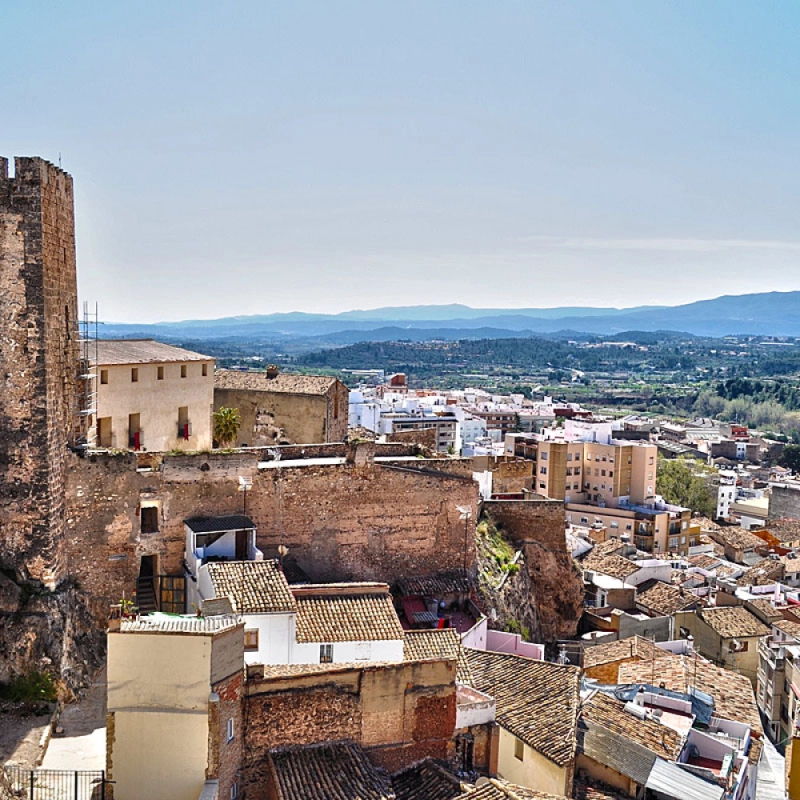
[(249, 157)]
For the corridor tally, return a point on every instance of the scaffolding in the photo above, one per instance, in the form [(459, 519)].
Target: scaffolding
[(86, 419)]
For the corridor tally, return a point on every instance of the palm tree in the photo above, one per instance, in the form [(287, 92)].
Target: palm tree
[(226, 426)]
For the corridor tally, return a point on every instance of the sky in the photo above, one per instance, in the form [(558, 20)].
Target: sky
[(252, 157)]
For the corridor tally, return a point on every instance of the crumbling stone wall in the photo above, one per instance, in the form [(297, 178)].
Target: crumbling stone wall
[(39, 363), (339, 521), (546, 595), (399, 713), (42, 618)]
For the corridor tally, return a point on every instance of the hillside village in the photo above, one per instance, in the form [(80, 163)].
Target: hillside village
[(377, 593)]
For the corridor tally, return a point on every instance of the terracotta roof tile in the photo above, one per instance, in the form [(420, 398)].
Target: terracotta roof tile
[(426, 780), (255, 587), (346, 612), (785, 530), (636, 647), (766, 571), (285, 382), (143, 351), (737, 537), (789, 627), (613, 566), (536, 701), (451, 582), (497, 789), (663, 599), (329, 771), (733, 693), (444, 643), (611, 715), (732, 621)]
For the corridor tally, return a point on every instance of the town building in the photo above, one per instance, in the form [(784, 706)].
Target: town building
[(727, 635), (170, 737), (282, 408), (152, 396)]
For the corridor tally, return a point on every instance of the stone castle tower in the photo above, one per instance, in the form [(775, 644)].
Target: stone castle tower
[(39, 366)]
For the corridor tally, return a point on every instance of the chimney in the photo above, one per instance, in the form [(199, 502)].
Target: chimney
[(272, 371)]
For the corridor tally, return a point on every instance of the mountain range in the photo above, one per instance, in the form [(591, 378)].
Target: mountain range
[(767, 314)]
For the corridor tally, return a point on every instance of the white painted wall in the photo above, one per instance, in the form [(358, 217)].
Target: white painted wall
[(276, 636), (308, 652)]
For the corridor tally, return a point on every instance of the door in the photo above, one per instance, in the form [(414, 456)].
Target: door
[(241, 545)]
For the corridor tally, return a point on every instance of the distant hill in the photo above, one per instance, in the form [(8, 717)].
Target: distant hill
[(766, 314)]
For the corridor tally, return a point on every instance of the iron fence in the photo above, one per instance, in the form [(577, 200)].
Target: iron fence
[(57, 784)]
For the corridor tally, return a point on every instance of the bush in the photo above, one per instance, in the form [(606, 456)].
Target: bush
[(35, 687)]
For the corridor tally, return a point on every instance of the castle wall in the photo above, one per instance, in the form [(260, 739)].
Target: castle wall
[(339, 521), (38, 363)]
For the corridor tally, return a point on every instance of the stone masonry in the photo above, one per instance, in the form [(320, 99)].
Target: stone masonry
[(39, 353)]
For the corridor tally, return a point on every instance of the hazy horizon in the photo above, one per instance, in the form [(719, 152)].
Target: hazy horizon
[(266, 157)]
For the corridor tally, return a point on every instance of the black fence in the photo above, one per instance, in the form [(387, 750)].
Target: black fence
[(56, 784)]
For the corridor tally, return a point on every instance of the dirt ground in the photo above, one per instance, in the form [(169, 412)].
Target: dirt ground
[(20, 735)]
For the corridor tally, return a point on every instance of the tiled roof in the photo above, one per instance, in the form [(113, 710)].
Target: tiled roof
[(785, 530), (329, 771), (704, 561), (705, 523), (789, 627), (437, 643), (766, 571), (255, 587), (664, 599), (613, 566), (284, 382), (634, 647), (615, 750), (497, 789), (610, 714), (278, 671), (763, 607), (142, 351), (536, 701), (737, 537), (607, 548), (733, 693), (582, 790), (791, 563), (426, 780), (167, 623), (346, 612), (229, 522), (452, 582), (732, 621)]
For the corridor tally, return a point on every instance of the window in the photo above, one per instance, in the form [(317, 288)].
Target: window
[(603, 472), (569, 456), (183, 370), (134, 374), (235, 790), (251, 638), (543, 455), (103, 376), (542, 485), (519, 749), (543, 470), (326, 654), (611, 473), (577, 470), (161, 373), (230, 730), (149, 519), (205, 370)]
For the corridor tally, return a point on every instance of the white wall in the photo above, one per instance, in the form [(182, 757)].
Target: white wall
[(276, 634), (308, 653)]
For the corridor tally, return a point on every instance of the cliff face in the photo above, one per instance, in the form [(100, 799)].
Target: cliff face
[(543, 597)]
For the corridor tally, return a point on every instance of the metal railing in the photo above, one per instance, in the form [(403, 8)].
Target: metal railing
[(56, 784)]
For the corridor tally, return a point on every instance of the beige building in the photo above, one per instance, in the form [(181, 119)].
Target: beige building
[(152, 396), (171, 738), (279, 408), (728, 636)]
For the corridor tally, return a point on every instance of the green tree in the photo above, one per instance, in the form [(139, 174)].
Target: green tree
[(226, 426), (678, 483), (790, 458)]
